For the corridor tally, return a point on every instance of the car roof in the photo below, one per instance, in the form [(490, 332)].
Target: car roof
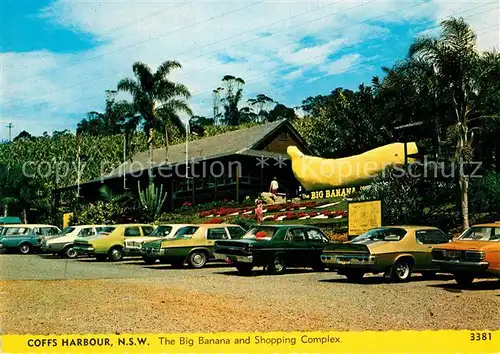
[(28, 225), (409, 227), (211, 226), (489, 224), (179, 225), (287, 225), (127, 225)]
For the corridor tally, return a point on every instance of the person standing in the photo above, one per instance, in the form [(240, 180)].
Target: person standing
[(273, 188), (258, 211)]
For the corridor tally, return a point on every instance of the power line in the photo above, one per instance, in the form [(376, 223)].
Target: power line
[(254, 39), (275, 70)]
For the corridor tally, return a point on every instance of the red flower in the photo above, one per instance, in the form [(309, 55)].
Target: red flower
[(215, 221)]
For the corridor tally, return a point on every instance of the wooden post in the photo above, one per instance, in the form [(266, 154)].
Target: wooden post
[(237, 184)]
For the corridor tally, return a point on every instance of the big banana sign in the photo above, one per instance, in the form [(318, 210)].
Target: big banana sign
[(316, 173)]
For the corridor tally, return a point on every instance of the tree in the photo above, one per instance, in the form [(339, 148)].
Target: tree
[(23, 135), (262, 105), (280, 111), (461, 77), (157, 100), (233, 93)]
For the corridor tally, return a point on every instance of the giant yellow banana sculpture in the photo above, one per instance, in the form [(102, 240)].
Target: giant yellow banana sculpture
[(318, 173)]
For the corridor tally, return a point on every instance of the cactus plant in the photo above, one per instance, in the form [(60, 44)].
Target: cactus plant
[(152, 199)]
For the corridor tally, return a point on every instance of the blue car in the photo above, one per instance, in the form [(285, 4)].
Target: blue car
[(25, 237)]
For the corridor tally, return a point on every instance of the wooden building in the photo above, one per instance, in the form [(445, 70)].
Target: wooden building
[(229, 166)]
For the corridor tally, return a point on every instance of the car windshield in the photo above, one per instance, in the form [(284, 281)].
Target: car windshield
[(481, 234), (161, 231), (261, 233), (382, 234), (67, 230)]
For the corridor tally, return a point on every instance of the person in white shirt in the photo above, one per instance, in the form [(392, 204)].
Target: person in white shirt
[(273, 188)]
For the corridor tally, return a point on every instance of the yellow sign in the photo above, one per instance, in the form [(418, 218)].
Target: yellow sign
[(66, 219), (363, 216), (463, 341)]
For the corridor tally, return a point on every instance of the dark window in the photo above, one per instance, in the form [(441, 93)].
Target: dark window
[(86, 232), (147, 230), (314, 235), (132, 231), (217, 234), (431, 237), (186, 231), (296, 235), (236, 232)]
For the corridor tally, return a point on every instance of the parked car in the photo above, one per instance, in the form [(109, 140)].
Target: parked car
[(275, 247), (475, 254), (25, 237), (396, 251), (110, 241), (62, 243), (196, 249), (133, 245)]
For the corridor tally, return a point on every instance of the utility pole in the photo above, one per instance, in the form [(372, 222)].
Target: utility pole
[(10, 126)]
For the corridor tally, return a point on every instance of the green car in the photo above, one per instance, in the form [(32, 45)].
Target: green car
[(274, 247)]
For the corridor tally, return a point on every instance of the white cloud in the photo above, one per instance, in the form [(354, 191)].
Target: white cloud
[(47, 87)]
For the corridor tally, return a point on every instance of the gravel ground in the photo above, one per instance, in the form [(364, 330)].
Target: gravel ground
[(46, 295)]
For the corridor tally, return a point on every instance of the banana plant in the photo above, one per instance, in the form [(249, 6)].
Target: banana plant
[(152, 199)]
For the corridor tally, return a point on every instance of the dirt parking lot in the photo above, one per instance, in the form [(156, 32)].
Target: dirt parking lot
[(46, 295)]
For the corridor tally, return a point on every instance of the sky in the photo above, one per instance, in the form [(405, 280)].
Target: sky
[(57, 57)]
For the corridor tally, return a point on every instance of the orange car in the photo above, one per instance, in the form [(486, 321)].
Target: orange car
[(475, 254)]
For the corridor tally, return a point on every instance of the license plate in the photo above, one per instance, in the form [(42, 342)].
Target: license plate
[(453, 254), (342, 261)]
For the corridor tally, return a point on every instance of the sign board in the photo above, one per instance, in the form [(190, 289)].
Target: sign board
[(66, 219), (363, 216), (331, 193)]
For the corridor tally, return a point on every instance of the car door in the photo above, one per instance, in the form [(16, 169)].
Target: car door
[(316, 240), (214, 234), (297, 249)]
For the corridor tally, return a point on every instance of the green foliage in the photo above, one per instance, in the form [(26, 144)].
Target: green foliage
[(105, 213), (485, 193), (152, 200), (413, 196)]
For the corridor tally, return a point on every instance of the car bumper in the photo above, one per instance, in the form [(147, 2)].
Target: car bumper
[(342, 260), (132, 251), (233, 258), (88, 250), (462, 266)]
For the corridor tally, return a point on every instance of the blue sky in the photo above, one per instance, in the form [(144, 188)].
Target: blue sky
[(59, 56)]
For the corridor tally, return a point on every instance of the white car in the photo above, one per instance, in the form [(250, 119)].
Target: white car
[(133, 245), (62, 243)]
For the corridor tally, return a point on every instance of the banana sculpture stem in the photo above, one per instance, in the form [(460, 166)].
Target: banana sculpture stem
[(315, 173)]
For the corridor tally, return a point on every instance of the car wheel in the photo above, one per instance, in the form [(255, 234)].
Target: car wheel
[(354, 276), (464, 280), (149, 260), (70, 252), (429, 275), (197, 259), (25, 248), (244, 269), (116, 254), (277, 265), (401, 270), (101, 257)]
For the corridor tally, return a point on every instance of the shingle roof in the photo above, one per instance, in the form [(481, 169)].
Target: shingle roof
[(234, 142)]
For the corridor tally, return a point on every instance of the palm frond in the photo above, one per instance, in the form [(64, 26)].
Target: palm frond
[(144, 76), (165, 68), (129, 85)]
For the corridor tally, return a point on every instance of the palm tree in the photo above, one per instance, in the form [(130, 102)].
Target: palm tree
[(458, 78), (157, 100)]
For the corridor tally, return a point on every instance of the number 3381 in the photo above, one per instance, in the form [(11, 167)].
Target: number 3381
[(478, 336)]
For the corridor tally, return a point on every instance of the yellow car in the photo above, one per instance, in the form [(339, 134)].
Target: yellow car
[(396, 251), (194, 249), (109, 243)]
